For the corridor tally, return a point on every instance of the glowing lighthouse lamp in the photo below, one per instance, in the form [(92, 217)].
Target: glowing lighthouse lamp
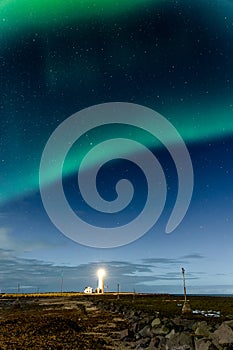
[(101, 274)]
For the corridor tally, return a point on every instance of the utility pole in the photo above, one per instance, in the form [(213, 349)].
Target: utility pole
[(61, 282), (118, 291), (134, 295), (186, 309), (185, 295)]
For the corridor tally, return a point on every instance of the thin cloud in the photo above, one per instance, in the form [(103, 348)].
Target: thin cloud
[(193, 256), (9, 240), (165, 261), (170, 261)]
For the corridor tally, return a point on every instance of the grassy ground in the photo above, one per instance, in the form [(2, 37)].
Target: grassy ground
[(168, 305), (164, 303)]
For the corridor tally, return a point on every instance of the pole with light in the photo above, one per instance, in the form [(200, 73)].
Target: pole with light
[(185, 295), (186, 309)]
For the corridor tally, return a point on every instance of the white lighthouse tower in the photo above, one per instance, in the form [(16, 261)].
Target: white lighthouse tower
[(101, 274)]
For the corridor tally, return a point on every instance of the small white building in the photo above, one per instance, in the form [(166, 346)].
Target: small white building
[(88, 290)]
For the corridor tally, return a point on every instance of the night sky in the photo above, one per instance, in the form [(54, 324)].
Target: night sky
[(175, 57)]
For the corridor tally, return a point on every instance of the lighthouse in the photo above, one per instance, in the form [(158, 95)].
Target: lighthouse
[(101, 274)]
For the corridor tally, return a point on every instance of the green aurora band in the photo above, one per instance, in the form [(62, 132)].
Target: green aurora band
[(215, 119), (210, 129), (42, 14)]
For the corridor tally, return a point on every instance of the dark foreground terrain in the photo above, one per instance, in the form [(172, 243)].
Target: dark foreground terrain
[(57, 323), (128, 321)]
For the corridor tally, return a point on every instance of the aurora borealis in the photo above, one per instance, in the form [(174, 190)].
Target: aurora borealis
[(176, 57)]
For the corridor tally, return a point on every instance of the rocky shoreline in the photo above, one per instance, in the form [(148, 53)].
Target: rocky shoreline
[(151, 332)]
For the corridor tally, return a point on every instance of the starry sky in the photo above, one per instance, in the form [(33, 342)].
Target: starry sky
[(59, 57)]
